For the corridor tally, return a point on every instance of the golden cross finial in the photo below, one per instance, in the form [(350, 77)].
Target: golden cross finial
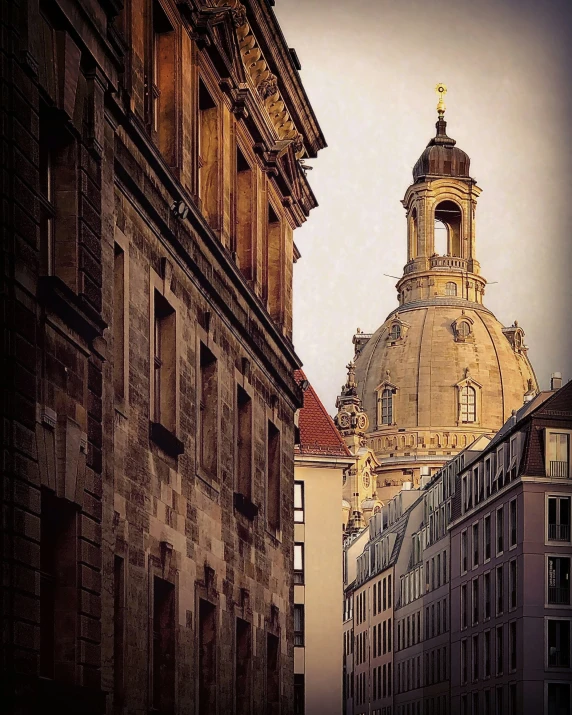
[(441, 90)]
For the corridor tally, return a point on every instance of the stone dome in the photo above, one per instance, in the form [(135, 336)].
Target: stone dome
[(437, 350), (441, 157)]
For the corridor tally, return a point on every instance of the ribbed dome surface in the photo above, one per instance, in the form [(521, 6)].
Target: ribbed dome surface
[(427, 364), (441, 157)]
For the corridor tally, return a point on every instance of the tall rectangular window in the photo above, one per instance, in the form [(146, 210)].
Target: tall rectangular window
[(209, 150), (475, 545), (298, 624), (243, 667), (512, 523), (464, 605), (559, 580), (558, 643), (163, 657), (244, 442), (163, 91), (207, 658), (274, 261), (272, 674), (558, 698), (487, 594), (500, 590), (119, 321), (47, 205), (476, 657), (487, 654), (273, 477), (299, 502), (58, 586), (300, 696), (512, 583), (475, 601), (244, 211), (464, 550), (512, 645), (558, 454), (500, 699), (208, 407), (500, 530), (298, 563), (389, 632), (500, 651), (559, 518), (389, 591), (118, 628), (487, 536), (464, 665), (165, 363)]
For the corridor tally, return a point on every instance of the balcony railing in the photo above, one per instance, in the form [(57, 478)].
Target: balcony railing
[(559, 532), (450, 262), (560, 596), (558, 658), (558, 469)]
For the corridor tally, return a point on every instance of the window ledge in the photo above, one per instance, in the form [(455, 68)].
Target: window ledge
[(245, 506), (73, 309), (165, 439)]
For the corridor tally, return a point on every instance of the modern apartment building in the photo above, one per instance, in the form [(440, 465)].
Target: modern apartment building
[(482, 611), (320, 458), (511, 553)]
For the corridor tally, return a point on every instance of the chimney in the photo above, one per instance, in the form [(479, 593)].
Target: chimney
[(407, 486), (425, 479), (556, 381)]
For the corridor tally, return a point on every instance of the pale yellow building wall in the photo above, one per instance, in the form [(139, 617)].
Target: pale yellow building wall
[(323, 590)]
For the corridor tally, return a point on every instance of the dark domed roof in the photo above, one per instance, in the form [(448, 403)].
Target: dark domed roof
[(442, 157)]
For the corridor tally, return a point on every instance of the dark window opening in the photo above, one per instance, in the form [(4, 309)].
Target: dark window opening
[(163, 646)]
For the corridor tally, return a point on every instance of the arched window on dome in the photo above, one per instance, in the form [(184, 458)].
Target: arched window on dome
[(464, 329), (450, 288), (387, 406), (468, 400), (395, 333)]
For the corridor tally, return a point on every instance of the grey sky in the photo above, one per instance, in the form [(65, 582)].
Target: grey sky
[(370, 68)]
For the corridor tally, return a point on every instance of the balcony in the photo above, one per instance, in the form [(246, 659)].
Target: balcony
[(558, 469), (452, 263), (559, 532), (559, 596)]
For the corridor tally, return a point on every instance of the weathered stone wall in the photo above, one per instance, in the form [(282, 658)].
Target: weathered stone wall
[(105, 507)]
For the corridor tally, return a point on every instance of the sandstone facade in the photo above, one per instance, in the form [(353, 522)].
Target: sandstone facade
[(152, 189)]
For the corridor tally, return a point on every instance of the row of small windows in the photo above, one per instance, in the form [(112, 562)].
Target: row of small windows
[(478, 658), (481, 545), (410, 675)]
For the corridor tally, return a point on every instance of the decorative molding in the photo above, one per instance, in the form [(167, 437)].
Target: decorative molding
[(265, 82)]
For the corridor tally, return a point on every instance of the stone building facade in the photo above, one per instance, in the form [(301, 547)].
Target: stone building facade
[(153, 183), (441, 370)]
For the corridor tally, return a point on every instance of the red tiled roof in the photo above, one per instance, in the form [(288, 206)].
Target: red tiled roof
[(318, 433)]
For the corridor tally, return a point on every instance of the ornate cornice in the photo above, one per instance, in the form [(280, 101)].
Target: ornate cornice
[(264, 81)]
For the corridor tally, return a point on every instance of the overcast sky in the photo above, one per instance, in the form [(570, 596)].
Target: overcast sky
[(370, 68)]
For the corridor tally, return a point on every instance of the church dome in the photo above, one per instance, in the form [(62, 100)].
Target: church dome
[(441, 371), (453, 373), (441, 157)]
